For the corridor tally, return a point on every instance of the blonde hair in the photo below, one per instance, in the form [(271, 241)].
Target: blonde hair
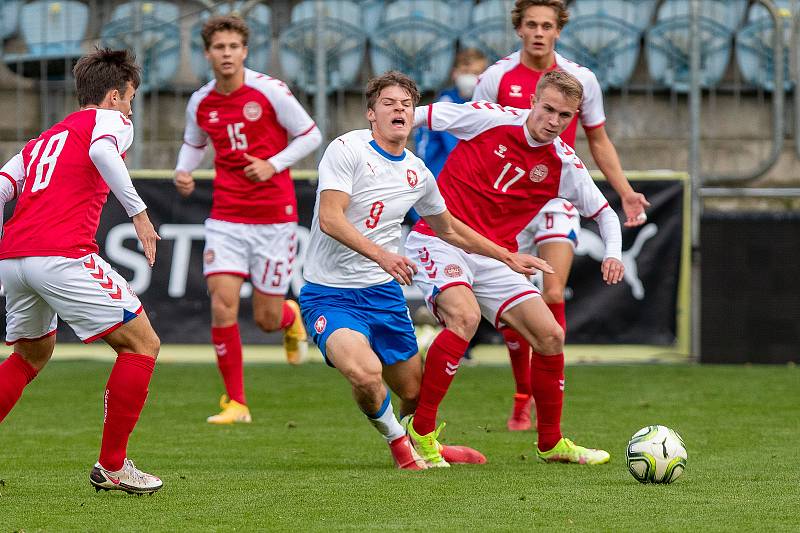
[(563, 82)]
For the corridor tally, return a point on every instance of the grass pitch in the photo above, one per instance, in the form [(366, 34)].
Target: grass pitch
[(311, 462)]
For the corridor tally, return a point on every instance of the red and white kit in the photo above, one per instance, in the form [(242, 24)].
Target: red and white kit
[(48, 259), (511, 84), (257, 119), (495, 181)]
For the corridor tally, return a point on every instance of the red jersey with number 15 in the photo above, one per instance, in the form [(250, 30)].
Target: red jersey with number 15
[(256, 119), (58, 208), (498, 177)]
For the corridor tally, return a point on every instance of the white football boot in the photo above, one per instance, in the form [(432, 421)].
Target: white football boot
[(128, 479)]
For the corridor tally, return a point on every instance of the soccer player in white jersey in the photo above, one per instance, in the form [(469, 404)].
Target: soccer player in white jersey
[(554, 234), (49, 264), (249, 118), (353, 304), (508, 164)]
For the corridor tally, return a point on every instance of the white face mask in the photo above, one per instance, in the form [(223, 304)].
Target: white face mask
[(465, 83)]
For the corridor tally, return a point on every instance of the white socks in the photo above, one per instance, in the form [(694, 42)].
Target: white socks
[(385, 421)]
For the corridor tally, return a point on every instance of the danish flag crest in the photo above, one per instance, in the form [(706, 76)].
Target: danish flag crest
[(411, 176)]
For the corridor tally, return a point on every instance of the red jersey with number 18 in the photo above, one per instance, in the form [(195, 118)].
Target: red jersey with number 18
[(498, 177), (58, 208)]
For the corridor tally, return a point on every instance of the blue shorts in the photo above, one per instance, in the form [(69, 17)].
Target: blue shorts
[(380, 313)]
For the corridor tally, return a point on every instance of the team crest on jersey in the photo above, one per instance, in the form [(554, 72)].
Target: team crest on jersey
[(538, 173), (209, 256), (213, 117), (516, 91), (452, 271), (320, 324), (252, 111), (412, 178)]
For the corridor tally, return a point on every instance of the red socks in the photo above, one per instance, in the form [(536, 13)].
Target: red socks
[(441, 365), (559, 314), (288, 316), (547, 385), (228, 345), (125, 394), (519, 351), (15, 374)]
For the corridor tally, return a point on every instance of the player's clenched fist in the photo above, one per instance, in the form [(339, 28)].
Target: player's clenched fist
[(528, 264), (258, 170), (184, 182), (398, 266), (613, 271)]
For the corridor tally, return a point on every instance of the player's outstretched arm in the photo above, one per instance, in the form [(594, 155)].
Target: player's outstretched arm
[(147, 235), (612, 268), (12, 179), (333, 222), (450, 229), (607, 159)]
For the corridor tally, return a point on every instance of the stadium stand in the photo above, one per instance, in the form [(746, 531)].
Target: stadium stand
[(667, 41), (344, 41), (9, 14), (158, 42), (605, 36), (490, 29), (259, 48), (416, 37), (51, 29), (755, 54)]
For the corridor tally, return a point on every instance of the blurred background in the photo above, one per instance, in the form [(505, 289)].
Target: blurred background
[(700, 100)]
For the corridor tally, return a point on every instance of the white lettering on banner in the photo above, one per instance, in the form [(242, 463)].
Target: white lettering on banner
[(592, 245), (183, 235), (119, 254)]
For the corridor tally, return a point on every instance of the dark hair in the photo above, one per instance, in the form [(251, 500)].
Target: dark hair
[(104, 70), (390, 79), (563, 82), (224, 23), (562, 15)]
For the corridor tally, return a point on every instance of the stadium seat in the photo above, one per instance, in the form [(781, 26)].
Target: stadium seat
[(9, 14), (259, 46), (754, 51), (158, 42), (416, 37), (604, 36), (667, 42), (52, 29), (490, 29), (343, 39)]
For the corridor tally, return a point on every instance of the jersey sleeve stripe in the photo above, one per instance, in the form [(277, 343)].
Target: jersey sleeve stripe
[(598, 211), (593, 126), (309, 130), (13, 182), (108, 135), (430, 117), (195, 145)]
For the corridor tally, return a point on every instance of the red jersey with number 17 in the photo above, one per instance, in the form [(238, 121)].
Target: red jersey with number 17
[(58, 208), (256, 119), (498, 177)]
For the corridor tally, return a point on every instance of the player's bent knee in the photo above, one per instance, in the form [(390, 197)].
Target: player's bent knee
[(464, 324), (268, 322), (553, 295), (551, 341)]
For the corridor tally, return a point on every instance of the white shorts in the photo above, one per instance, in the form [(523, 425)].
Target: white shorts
[(86, 293), (264, 253), (441, 265), (557, 221)]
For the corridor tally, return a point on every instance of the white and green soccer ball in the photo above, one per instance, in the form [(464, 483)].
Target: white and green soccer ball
[(656, 454)]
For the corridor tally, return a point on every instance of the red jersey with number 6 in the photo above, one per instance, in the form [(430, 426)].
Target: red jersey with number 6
[(256, 119), (58, 208), (498, 177)]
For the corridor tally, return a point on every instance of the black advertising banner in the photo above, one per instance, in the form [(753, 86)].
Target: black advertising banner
[(639, 311)]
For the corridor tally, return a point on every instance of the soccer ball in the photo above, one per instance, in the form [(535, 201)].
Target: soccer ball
[(656, 454)]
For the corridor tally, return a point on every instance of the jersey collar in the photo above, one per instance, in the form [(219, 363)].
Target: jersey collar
[(386, 154), (533, 143)]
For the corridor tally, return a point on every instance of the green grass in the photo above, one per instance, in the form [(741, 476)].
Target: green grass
[(311, 462)]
